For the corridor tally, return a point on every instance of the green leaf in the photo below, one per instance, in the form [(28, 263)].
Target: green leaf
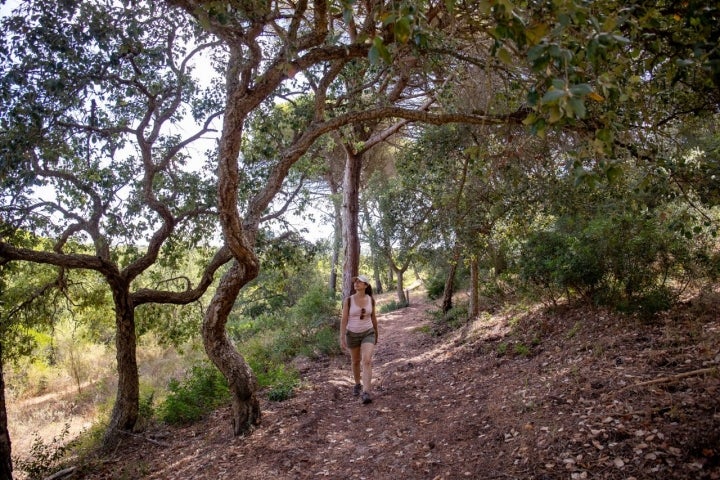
[(614, 173), (402, 30), (577, 106), (555, 114), (581, 89), (504, 55), (530, 119), (379, 51), (552, 96), (536, 33)]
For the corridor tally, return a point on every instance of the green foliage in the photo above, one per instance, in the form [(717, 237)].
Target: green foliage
[(281, 382), (522, 350), (618, 259), (203, 389), (44, 457), (391, 306), (435, 286), (270, 342)]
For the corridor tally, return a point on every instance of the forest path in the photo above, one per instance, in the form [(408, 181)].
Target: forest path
[(324, 431), (522, 393)]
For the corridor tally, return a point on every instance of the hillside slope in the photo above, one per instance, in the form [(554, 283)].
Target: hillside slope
[(565, 393)]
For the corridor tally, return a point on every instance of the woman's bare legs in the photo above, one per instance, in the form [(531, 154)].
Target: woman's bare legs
[(366, 355), (355, 362)]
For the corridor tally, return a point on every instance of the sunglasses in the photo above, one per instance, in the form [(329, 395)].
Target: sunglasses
[(362, 313)]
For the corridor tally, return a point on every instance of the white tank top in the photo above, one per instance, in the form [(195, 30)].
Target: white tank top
[(356, 325)]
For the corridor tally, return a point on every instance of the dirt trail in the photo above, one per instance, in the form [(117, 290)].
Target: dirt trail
[(325, 431), (551, 398)]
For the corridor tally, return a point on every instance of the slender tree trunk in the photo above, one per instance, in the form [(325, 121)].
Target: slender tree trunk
[(337, 244), (127, 401), (241, 380), (449, 290), (402, 299), (378, 288), (474, 309), (351, 210), (6, 467), (447, 302), (375, 252), (337, 234)]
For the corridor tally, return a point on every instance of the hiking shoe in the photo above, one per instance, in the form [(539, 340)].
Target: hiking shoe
[(366, 398), (357, 389)]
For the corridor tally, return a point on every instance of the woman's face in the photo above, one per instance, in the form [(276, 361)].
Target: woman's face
[(360, 285)]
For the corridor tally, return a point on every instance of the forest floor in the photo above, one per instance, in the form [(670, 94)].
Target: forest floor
[(535, 393)]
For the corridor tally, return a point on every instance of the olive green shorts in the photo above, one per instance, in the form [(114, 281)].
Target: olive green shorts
[(354, 340)]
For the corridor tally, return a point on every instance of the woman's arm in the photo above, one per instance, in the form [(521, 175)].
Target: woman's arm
[(374, 321)]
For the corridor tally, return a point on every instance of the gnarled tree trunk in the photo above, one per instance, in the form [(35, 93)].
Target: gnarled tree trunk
[(241, 380), (5, 446), (400, 273), (127, 400)]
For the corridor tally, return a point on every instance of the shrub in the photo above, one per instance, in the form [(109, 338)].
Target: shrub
[(391, 306), (200, 392), (316, 307), (326, 342), (435, 287), (283, 382), (622, 260), (44, 457)]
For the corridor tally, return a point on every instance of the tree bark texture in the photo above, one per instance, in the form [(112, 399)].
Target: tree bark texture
[(221, 351), (6, 467), (449, 289), (127, 401), (239, 237), (351, 210)]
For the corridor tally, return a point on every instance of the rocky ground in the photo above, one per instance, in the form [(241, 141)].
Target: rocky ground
[(538, 393)]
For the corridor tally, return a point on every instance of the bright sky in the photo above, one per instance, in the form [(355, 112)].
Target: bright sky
[(317, 230)]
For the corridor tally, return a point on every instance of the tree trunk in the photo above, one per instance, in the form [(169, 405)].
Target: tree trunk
[(447, 303), (337, 244), (474, 309), (337, 235), (378, 289), (6, 467), (242, 382), (351, 210), (239, 235), (127, 401), (402, 299)]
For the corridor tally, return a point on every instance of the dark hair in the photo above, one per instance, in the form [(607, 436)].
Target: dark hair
[(368, 289)]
